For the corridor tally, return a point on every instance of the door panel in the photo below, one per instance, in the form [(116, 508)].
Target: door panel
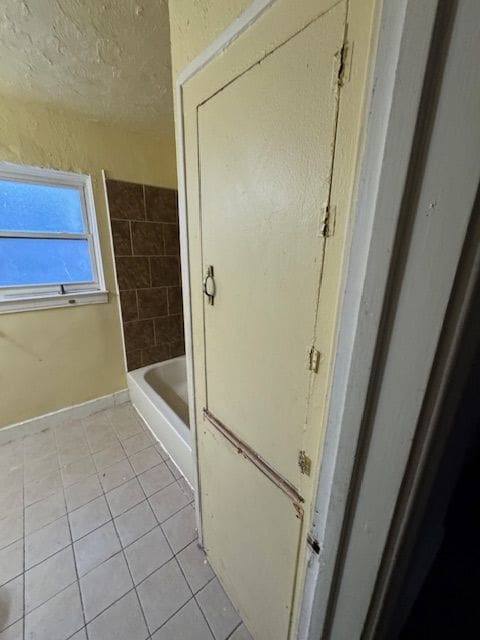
[(265, 151), (252, 533)]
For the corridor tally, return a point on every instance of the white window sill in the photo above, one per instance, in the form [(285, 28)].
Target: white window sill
[(51, 301)]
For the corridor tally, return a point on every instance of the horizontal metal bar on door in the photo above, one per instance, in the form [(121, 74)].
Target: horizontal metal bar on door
[(40, 235), (247, 451)]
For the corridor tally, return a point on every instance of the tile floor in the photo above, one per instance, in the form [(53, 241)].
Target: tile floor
[(98, 540)]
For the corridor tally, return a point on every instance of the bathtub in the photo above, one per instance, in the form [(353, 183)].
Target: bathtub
[(159, 394)]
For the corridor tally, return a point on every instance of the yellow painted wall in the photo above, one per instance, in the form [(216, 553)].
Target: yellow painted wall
[(54, 358), (194, 24)]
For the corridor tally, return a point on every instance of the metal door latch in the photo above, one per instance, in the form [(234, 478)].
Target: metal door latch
[(209, 288)]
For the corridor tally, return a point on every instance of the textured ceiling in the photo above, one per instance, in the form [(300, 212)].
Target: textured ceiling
[(107, 59)]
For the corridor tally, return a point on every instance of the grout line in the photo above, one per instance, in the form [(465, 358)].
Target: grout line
[(173, 557), (24, 541), (237, 627), (130, 235), (200, 606), (78, 631), (103, 493), (173, 615), (52, 554), (110, 605), (55, 594), (73, 549), (12, 624), (120, 540), (128, 568)]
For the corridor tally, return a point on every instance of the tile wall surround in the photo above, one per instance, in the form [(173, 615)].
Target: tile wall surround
[(145, 234)]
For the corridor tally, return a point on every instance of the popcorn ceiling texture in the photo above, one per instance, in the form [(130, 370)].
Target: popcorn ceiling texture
[(107, 60)]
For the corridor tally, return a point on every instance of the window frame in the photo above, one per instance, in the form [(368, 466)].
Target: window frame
[(28, 297)]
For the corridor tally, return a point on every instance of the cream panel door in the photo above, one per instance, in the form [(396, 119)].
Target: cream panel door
[(265, 149), (265, 146)]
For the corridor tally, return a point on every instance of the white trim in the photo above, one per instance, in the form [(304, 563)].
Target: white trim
[(52, 301), (231, 33), (400, 62), (422, 290), (28, 297), (112, 255), (62, 416), (444, 179)]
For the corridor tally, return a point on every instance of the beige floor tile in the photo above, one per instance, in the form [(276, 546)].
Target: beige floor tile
[(78, 470), (14, 632), (107, 457), (11, 561), (56, 619), (162, 594), (96, 547), (42, 488), (155, 479), (167, 502), (218, 610), (44, 512), (11, 528), (117, 474), (241, 634), (188, 624), (137, 443), (147, 554), (123, 620), (78, 494), (89, 517), (11, 599), (135, 523), (41, 467), (49, 577), (46, 541), (180, 529), (195, 566), (145, 459), (125, 497), (104, 585)]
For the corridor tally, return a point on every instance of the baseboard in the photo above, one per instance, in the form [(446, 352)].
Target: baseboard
[(57, 418)]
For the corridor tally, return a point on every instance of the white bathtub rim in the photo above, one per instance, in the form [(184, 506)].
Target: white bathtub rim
[(138, 376), (162, 422)]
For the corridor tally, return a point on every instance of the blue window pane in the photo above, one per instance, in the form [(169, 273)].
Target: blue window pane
[(27, 261), (38, 207)]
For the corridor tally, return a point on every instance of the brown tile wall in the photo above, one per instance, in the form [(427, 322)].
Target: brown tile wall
[(147, 256)]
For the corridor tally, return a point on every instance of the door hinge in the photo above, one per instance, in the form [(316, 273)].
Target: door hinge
[(328, 224), (313, 544), (305, 463), (344, 58), (313, 360)]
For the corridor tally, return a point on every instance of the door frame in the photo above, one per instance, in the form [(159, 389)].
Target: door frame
[(425, 62), (397, 80)]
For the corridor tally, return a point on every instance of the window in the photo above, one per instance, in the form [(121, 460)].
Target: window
[(49, 247)]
